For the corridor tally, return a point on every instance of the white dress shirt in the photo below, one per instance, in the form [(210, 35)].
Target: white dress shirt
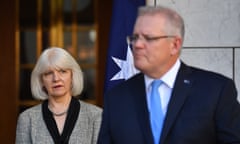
[(165, 89)]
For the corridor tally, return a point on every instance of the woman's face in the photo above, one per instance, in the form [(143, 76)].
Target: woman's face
[(58, 82)]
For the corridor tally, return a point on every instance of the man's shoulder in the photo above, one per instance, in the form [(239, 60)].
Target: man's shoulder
[(208, 75), (137, 78), (133, 84)]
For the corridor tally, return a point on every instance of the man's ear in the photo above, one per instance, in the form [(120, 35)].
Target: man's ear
[(176, 45)]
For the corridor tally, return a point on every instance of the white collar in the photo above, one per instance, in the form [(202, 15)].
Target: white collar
[(168, 78)]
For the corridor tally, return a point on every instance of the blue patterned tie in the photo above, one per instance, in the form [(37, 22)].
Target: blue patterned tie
[(156, 114)]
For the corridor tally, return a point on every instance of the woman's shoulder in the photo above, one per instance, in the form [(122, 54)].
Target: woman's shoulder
[(89, 108), (34, 110)]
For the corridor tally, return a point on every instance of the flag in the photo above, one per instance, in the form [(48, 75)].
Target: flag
[(119, 57)]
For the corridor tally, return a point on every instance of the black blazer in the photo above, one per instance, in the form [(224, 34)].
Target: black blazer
[(203, 109)]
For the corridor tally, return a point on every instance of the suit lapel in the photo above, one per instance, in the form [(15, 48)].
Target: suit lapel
[(139, 96), (180, 91)]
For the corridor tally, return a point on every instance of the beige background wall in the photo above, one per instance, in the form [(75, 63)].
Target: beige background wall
[(212, 37)]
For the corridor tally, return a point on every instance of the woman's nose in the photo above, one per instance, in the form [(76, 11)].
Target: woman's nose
[(56, 76)]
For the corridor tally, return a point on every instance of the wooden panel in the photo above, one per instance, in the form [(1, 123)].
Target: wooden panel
[(103, 18), (8, 109)]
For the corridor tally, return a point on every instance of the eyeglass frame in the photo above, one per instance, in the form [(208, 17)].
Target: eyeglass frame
[(133, 38)]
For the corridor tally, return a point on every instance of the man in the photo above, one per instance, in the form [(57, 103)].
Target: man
[(198, 106)]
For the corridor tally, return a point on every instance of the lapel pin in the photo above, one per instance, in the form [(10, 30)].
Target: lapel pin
[(186, 81)]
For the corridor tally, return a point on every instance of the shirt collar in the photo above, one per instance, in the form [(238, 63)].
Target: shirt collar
[(168, 78)]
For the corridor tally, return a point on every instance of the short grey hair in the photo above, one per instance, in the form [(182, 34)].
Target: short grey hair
[(175, 23), (55, 57)]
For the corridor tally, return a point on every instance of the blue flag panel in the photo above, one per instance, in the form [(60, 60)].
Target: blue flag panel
[(119, 58)]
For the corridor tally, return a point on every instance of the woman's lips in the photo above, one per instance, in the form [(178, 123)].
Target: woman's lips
[(57, 86)]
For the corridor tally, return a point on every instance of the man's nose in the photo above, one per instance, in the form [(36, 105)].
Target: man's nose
[(139, 43)]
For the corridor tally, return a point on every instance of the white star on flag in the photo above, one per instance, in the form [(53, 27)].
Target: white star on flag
[(127, 67)]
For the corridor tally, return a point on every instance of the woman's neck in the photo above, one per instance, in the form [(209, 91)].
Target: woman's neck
[(59, 104)]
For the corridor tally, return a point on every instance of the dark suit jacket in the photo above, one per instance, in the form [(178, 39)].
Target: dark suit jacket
[(203, 109)]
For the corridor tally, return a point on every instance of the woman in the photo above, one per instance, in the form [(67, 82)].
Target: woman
[(60, 118)]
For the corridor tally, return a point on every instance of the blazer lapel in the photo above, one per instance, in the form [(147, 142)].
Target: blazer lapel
[(180, 91), (139, 93)]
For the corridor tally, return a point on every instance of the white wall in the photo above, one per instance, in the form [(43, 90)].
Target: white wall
[(212, 39)]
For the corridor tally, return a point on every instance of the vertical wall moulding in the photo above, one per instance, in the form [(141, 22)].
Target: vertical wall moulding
[(237, 69)]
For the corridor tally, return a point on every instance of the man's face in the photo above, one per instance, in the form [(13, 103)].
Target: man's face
[(153, 56)]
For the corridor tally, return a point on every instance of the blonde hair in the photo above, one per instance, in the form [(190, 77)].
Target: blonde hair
[(54, 57)]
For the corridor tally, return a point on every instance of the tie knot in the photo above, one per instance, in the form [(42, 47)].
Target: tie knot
[(156, 83)]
